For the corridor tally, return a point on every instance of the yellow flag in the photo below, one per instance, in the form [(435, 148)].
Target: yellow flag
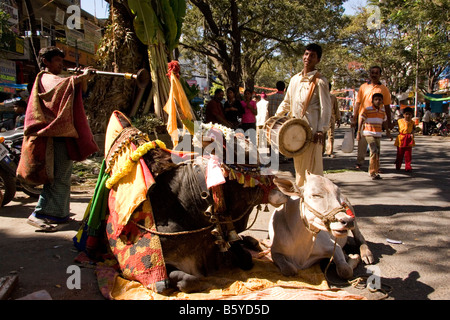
[(178, 105)]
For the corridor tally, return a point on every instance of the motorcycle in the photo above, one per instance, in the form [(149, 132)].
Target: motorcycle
[(10, 151), (442, 128)]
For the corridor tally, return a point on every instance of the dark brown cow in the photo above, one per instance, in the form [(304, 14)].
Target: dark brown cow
[(197, 226)]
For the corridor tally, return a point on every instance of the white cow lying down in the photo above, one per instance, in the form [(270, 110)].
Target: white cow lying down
[(301, 229)]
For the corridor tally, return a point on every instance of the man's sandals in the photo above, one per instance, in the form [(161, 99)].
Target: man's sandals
[(44, 224)]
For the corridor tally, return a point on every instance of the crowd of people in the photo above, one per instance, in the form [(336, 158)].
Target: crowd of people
[(248, 112), (307, 97)]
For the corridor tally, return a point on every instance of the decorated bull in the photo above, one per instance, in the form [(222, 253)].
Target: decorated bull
[(173, 217), (303, 228)]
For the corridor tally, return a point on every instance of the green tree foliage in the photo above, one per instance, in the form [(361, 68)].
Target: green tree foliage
[(240, 36), (425, 32), (409, 34), (158, 25)]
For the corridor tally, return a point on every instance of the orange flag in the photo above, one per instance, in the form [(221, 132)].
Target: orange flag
[(178, 105)]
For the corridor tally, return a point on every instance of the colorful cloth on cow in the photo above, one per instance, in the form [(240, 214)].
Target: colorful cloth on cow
[(137, 250), (55, 109), (132, 189), (318, 117)]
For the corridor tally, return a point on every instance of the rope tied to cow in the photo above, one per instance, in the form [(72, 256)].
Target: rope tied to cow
[(212, 225), (358, 282), (327, 219), (179, 233)]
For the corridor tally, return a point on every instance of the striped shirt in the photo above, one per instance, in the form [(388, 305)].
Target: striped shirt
[(373, 121)]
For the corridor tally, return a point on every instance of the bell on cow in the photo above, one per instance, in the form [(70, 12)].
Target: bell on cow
[(266, 209), (233, 236)]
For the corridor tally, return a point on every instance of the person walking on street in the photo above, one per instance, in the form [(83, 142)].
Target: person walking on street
[(56, 133), (276, 98), (308, 98), (371, 122), (261, 116), (335, 117), (364, 100), (426, 121), (405, 140)]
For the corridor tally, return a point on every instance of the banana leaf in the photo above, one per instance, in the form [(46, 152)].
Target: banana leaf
[(146, 24)]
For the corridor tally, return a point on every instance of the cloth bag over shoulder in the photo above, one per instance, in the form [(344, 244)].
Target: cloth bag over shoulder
[(349, 141)]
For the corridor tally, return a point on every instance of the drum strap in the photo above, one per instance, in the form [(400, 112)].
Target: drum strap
[(313, 82)]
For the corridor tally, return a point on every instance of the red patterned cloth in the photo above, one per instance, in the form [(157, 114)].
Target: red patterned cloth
[(137, 251)]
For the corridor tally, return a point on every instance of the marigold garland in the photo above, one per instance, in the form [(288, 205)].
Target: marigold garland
[(134, 158), (228, 133)]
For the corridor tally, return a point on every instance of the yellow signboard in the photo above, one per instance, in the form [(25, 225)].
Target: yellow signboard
[(84, 58)]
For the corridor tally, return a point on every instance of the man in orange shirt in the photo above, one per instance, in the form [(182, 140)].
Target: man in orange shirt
[(364, 100)]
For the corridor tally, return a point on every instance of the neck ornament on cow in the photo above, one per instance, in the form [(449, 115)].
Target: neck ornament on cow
[(135, 156)]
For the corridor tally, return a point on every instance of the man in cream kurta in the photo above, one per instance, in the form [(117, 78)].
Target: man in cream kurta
[(317, 115)]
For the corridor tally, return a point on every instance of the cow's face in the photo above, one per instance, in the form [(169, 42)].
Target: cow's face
[(322, 206)]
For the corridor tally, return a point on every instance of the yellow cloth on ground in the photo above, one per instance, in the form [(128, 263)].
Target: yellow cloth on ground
[(263, 281)]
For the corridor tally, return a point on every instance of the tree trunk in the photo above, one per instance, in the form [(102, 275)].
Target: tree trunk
[(236, 39), (228, 65), (119, 51)]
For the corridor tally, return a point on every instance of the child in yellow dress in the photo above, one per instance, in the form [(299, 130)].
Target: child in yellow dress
[(405, 140)]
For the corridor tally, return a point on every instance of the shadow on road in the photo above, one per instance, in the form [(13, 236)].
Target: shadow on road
[(384, 210)]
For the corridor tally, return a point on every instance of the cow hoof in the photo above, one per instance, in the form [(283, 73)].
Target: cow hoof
[(353, 260), (288, 270), (289, 273), (366, 254), (344, 271), (185, 282)]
